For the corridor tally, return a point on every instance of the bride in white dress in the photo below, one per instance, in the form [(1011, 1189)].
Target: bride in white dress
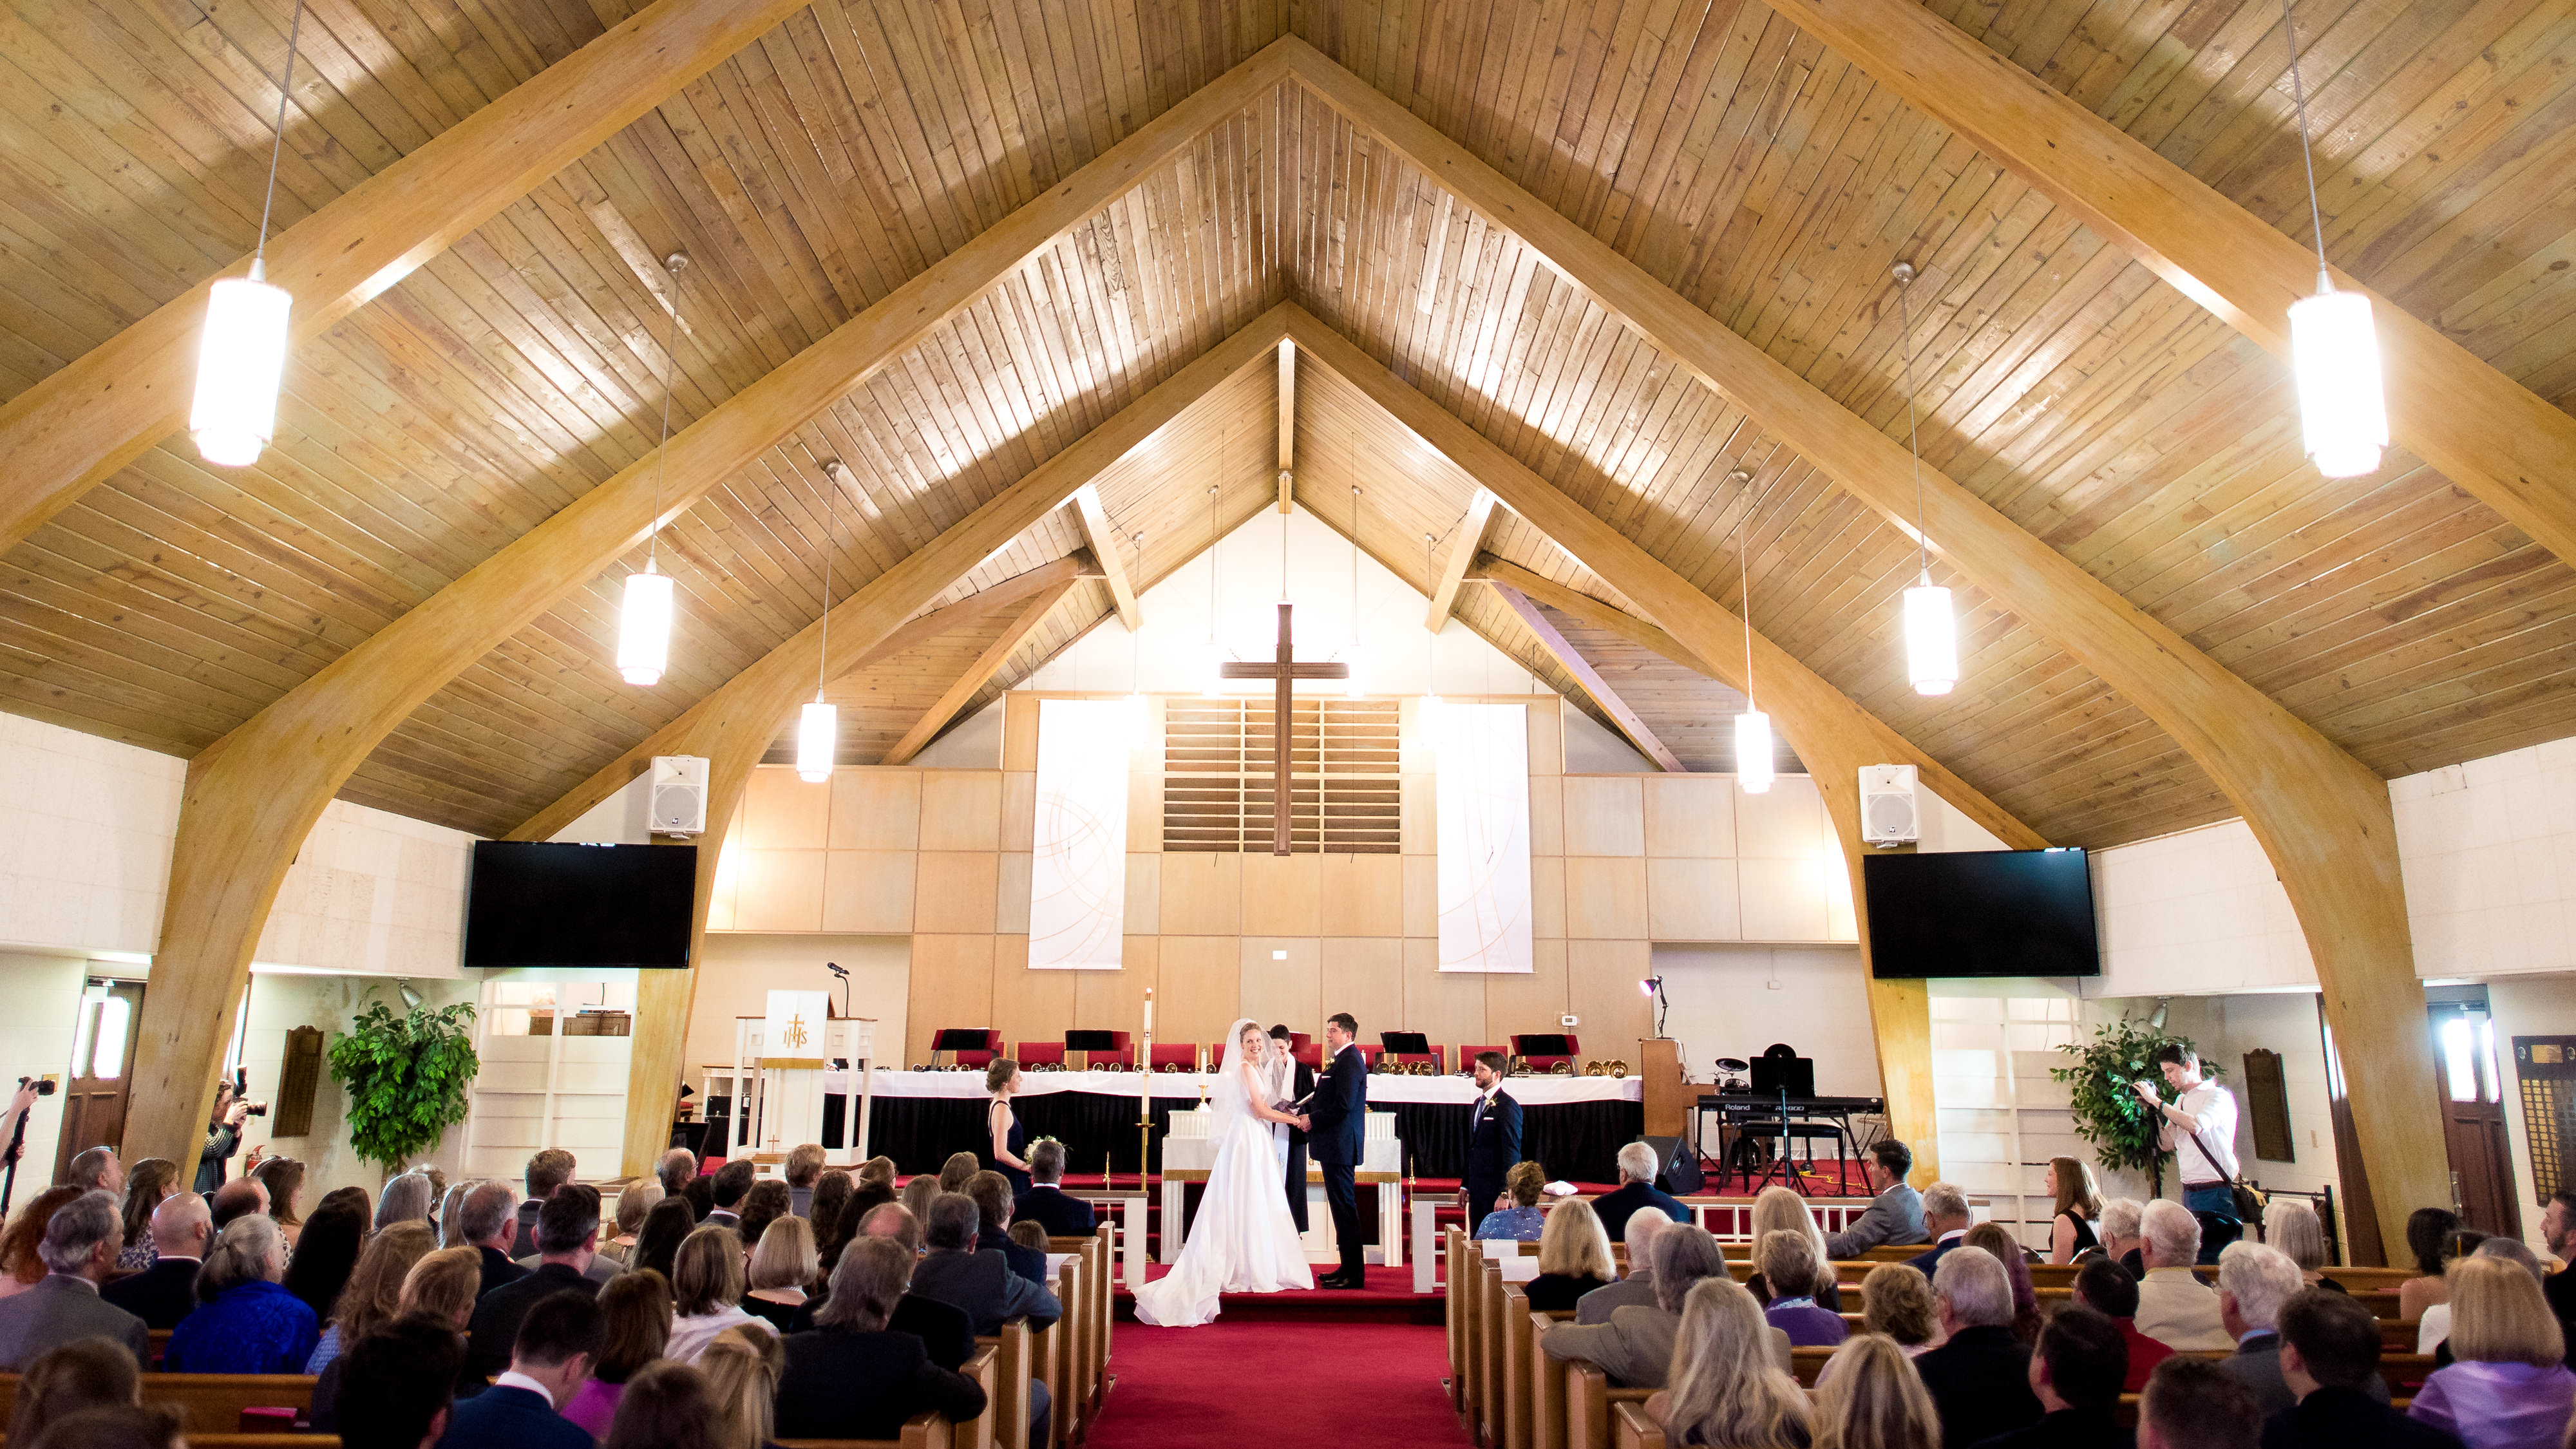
[(1242, 1240)]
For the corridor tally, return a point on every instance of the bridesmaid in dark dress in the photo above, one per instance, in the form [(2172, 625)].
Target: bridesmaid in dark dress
[(1010, 1139), (2078, 1205)]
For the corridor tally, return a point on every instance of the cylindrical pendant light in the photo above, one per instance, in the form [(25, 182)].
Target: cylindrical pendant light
[(241, 358), (1931, 630), (644, 622), (2334, 349), (818, 729), (1753, 751)]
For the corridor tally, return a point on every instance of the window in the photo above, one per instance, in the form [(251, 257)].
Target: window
[(115, 1014), (1345, 794), (2468, 1058)]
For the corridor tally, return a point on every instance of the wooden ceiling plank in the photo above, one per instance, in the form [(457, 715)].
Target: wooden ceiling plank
[(79, 426), (1588, 678), (1466, 540), (968, 684), (1107, 547), (2482, 429)]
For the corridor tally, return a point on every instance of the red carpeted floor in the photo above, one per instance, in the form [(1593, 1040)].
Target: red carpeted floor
[(1237, 1383), (1388, 1298)]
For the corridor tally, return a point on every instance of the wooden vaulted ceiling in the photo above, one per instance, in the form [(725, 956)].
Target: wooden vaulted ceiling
[(1761, 176)]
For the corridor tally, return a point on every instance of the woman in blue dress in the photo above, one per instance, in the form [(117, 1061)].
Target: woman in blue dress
[(245, 1322), (1520, 1219)]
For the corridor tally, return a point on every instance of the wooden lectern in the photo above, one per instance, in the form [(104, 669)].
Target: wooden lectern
[(1668, 1099)]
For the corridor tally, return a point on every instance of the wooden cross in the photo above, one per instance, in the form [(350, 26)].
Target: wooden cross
[(1284, 672)]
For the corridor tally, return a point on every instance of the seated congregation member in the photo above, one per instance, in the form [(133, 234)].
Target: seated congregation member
[(87, 1373), (245, 1322), (319, 1262), (1896, 1303), (854, 1377), (781, 1265), (447, 1211), (22, 1266), (549, 1361), (766, 1203), (406, 1199), (166, 1293), (1638, 1287), (958, 1170), (634, 1200), (1992, 1239), (979, 1283), (488, 1222), (726, 1190), (404, 1371), (567, 1239), (676, 1170), (2429, 1235), (1636, 1190), (2077, 1207), (917, 1194), (657, 1243), (1573, 1258), (1894, 1215), (1788, 1257), (1635, 1346), (118, 1426), (2076, 1371), (79, 1250), (2330, 1349), (374, 1294), (1868, 1397), (1945, 1222), (1029, 1236), (992, 1194), (2175, 1308), (2191, 1403), (1980, 1375), (832, 1193), (1779, 1209), (2105, 1287), (634, 1326), (1046, 1202), (2291, 1226), (742, 1368), (2121, 1244), (238, 1199), (151, 1183), (549, 1169), (803, 1171), (1726, 1388), (700, 1195), (2507, 1386), (2253, 1282), (283, 1179), (1518, 1218), (943, 1328), (439, 1289), (707, 1282)]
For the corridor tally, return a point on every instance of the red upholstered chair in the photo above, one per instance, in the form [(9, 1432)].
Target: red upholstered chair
[(1036, 1053), (1121, 1050), (1467, 1055), (1574, 1047), (984, 1058), (1181, 1055), (1309, 1052)]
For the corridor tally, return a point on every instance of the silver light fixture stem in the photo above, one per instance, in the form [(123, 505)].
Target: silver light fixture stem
[(678, 262), (1904, 272), (2299, 99), (831, 518), (277, 144)]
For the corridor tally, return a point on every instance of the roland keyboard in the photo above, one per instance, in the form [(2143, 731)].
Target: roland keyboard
[(1748, 1104)]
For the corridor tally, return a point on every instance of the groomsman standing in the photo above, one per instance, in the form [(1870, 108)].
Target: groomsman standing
[(1493, 1139)]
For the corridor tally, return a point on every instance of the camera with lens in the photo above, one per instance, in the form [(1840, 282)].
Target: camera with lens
[(44, 1085), (241, 1093)]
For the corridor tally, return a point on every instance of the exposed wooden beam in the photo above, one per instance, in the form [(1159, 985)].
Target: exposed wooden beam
[(977, 675), (1574, 663), (2489, 434), (1833, 736), (75, 429), (1465, 542), (1106, 547), (255, 794), (1505, 574), (2322, 816)]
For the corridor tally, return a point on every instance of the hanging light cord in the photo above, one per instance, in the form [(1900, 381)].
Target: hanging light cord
[(277, 144), (1744, 565), (1135, 643), (1355, 565), (2299, 99), (831, 517), (1905, 345), (679, 262), (1431, 577), (1212, 563)]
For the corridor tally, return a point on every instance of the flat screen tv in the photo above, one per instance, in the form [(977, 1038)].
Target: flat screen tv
[(1981, 913), (532, 903)]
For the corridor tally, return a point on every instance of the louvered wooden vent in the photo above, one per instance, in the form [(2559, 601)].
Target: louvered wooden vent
[(1344, 795)]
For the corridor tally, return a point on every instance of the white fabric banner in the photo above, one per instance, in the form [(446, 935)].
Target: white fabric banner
[(1078, 877), (1483, 811)]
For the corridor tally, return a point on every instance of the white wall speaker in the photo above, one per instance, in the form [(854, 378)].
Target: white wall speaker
[(679, 795), (1889, 814)]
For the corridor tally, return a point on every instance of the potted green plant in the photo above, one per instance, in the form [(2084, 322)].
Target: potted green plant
[(405, 1078), (2105, 1103)]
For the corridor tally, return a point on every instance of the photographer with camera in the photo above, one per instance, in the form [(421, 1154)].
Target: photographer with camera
[(29, 1089), (224, 1129)]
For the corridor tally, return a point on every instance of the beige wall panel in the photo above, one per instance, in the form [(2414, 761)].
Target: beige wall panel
[(1421, 895), (1420, 802), (1605, 815), (1029, 1005), (1516, 1004), (1784, 823), (1115, 1000), (1144, 893), (954, 891), (782, 812), (1279, 893), (779, 890), (952, 986), (1447, 1006), (1011, 894), (1290, 991), (1689, 818), (868, 891), (1546, 738), (1605, 897), (1414, 755), (726, 886), (1145, 810), (876, 809), (1601, 988), (961, 810), (1202, 894), (1692, 900), (1019, 731), (1365, 977), (1019, 820), (1200, 987), (1784, 900), (1547, 814), (1361, 895), (1547, 896)]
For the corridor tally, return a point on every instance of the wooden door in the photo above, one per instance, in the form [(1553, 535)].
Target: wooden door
[(102, 1066), (2473, 1129)]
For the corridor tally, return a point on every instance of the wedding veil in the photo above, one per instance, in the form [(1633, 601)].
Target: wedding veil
[(1228, 1100)]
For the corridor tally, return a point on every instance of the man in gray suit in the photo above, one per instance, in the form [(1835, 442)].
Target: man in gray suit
[(1635, 1348), (80, 1248), (1637, 1289), (1894, 1216), (2254, 1282), (981, 1284)]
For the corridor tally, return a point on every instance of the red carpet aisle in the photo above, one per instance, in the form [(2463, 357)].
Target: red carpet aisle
[(1232, 1384)]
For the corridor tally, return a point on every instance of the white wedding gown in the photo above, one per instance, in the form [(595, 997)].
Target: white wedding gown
[(1242, 1240)]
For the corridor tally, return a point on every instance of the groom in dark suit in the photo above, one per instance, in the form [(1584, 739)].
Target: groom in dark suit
[(1301, 1080), (1335, 1125)]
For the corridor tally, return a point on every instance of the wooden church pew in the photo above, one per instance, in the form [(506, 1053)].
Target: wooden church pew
[(1522, 1365), (1633, 1430), (1007, 1358), (212, 1403)]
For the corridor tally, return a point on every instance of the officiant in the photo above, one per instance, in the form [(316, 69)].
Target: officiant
[(1289, 1080)]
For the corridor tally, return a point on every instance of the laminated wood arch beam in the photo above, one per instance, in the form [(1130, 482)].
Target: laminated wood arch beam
[(78, 427), (966, 685), (1833, 735), (1562, 649), (2494, 437), (254, 795), (2322, 816), (1465, 542)]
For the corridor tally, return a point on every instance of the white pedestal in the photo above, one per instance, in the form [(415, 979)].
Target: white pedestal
[(1188, 1154)]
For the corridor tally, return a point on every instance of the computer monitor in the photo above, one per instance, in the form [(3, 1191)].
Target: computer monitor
[(1794, 1075)]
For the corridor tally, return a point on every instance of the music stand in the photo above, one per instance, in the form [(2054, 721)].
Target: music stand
[(1783, 1077), (955, 1039), (1404, 1043), (1088, 1042)]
